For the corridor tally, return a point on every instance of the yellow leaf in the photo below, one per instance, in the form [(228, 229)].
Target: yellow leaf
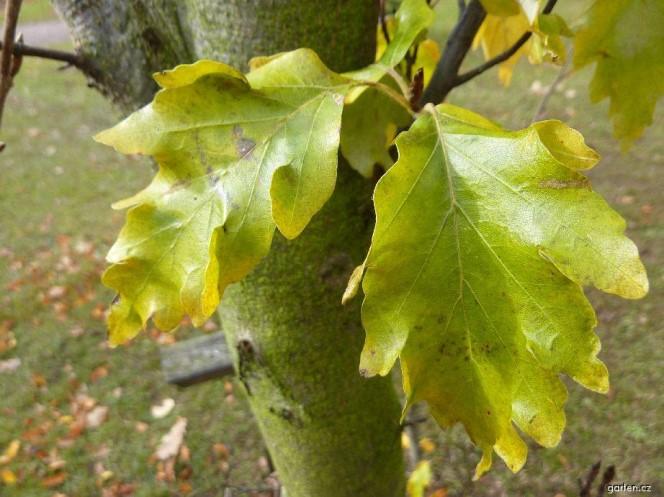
[(471, 211), (8, 477), (10, 452), (497, 34), (353, 284), (419, 479), (428, 54), (428, 50), (427, 445), (405, 441), (626, 41)]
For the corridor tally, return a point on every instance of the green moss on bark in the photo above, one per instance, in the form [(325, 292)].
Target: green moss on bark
[(331, 432), (236, 30)]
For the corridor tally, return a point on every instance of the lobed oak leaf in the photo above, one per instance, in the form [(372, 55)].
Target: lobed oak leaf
[(629, 63), (238, 157), (483, 240)]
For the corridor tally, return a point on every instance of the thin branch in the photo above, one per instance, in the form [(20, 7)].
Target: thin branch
[(564, 72), (607, 477), (397, 97), (458, 43), (69, 58), (585, 486), (7, 58), (467, 76)]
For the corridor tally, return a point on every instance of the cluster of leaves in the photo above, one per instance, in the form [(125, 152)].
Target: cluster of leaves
[(484, 236), (627, 50)]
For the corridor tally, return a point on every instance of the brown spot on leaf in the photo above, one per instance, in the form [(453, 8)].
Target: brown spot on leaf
[(561, 185), (243, 145)]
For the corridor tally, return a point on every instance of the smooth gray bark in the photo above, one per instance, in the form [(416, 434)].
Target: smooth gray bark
[(131, 39)]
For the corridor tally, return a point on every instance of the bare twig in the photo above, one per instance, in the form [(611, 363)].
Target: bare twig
[(12, 8), (72, 59), (446, 76), (585, 486), (562, 75), (608, 475), (467, 76), (459, 42)]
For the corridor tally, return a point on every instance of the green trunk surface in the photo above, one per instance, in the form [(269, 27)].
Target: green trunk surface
[(331, 433)]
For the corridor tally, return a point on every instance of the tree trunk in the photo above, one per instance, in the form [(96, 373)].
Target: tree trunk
[(331, 433)]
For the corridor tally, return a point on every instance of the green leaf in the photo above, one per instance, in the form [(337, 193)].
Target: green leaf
[(553, 24), (496, 35), (547, 44), (419, 479), (371, 118), (482, 242), (237, 157), (412, 20), (369, 125), (626, 39)]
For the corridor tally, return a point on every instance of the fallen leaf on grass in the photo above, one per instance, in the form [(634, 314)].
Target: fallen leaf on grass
[(54, 461), (119, 489), (10, 452), (171, 442), (99, 312), (427, 445), (76, 331), (106, 475), (38, 380), (96, 417), (7, 339), (419, 479), (56, 292), (163, 409), (84, 247), (54, 480), (166, 470), (8, 477), (185, 454), (98, 373), (221, 451), (141, 427), (10, 365)]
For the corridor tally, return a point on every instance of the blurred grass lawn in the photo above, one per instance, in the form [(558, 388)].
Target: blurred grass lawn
[(57, 185)]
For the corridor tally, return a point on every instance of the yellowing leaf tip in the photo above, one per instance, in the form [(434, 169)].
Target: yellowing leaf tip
[(186, 74)]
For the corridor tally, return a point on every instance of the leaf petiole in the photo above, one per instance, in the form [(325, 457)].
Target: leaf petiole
[(397, 97)]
